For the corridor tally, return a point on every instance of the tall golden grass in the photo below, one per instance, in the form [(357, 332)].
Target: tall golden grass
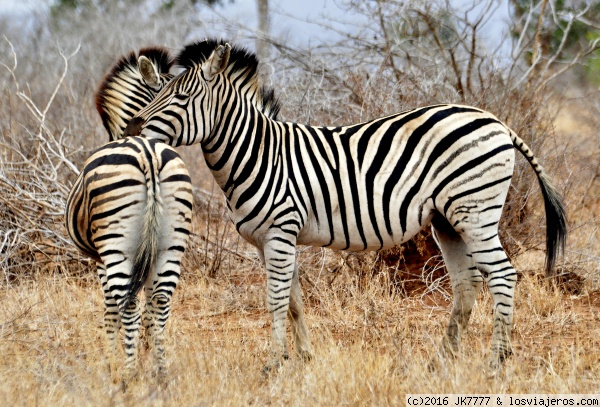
[(371, 347)]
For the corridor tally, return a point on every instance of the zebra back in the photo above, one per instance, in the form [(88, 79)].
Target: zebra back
[(132, 82)]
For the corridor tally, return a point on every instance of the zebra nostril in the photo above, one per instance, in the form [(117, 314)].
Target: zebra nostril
[(134, 127)]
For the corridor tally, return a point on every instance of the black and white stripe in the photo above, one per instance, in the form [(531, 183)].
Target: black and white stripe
[(130, 210), (131, 83), (366, 186)]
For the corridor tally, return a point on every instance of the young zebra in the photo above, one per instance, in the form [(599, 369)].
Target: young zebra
[(367, 186), (130, 210)]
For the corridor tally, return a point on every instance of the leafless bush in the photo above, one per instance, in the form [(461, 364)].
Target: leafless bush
[(32, 172)]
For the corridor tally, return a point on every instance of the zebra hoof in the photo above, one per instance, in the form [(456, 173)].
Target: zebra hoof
[(270, 368), (305, 355), (124, 384), (111, 370), (495, 362), (129, 376), (274, 365), (161, 377), (436, 363), (447, 352)]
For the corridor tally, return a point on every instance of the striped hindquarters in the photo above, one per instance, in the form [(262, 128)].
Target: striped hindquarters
[(133, 196)]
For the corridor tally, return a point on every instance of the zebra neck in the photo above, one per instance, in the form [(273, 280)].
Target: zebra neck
[(243, 149)]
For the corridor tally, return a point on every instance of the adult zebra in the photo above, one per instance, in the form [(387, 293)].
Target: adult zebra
[(130, 209), (366, 186)]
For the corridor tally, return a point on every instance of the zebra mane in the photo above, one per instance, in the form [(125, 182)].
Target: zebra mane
[(240, 59), (126, 70)]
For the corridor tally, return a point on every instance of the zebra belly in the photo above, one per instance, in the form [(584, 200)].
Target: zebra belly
[(361, 234)]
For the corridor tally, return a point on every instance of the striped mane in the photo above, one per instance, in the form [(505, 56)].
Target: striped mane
[(240, 60), (126, 71)]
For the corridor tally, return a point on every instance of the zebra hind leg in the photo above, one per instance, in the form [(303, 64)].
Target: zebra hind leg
[(112, 320), (157, 315), (296, 315), (146, 317), (501, 278), (131, 320), (466, 282)]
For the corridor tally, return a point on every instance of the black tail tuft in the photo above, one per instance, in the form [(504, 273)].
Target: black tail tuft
[(556, 218), (556, 222), (143, 263)]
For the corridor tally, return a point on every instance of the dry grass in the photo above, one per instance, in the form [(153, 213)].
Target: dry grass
[(371, 347)]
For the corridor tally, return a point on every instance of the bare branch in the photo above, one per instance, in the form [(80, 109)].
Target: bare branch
[(537, 42), (434, 31)]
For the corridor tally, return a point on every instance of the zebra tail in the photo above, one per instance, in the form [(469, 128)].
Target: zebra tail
[(145, 256), (556, 218)]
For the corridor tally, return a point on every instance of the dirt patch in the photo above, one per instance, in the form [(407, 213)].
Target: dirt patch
[(410, 268)]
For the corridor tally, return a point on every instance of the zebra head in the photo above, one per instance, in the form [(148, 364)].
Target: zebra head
[(131, 84), (175, 109), (217, 82)]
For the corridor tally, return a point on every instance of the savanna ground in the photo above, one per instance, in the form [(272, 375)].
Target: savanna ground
[(376, 319)]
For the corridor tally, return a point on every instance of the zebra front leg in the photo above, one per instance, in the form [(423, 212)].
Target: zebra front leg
[(280, 261), (296, 315)]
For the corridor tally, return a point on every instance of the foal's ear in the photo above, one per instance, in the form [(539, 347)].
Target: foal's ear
[(217, 62), (149, 72)]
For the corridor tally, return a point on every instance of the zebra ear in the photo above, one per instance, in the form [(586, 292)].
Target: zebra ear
[(149, 72), (217, 62)]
